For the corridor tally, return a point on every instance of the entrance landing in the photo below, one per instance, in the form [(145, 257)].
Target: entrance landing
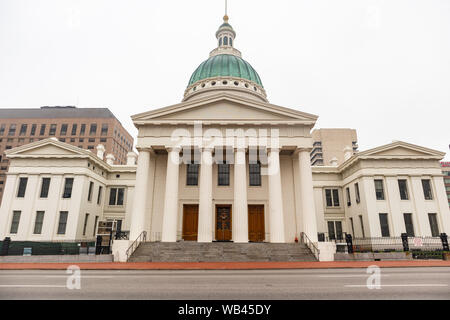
[(186, 251)]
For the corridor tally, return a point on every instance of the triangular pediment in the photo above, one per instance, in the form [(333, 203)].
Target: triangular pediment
[(46, 148), (224, 108), (400, 149)]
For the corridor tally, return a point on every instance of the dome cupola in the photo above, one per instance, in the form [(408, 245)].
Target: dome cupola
[(225, 70)]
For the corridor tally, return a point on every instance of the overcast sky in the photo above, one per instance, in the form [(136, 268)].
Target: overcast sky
[(381, 67)]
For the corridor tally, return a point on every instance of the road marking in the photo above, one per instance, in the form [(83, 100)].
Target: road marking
[(398, 285), (29, 286), (349, 276)]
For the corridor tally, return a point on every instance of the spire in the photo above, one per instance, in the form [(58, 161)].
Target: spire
[(225, 35)]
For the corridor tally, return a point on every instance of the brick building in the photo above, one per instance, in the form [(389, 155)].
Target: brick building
[(81, 127), (446, 171)]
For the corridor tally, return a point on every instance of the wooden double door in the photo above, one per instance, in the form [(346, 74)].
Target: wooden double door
[(190, 222), (256, 229)]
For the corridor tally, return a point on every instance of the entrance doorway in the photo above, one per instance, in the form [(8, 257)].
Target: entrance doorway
[(190, 222), (256, 230), (223, 223)]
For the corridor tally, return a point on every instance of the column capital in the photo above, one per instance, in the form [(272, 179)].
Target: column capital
[(145, 149), (303, 149), (273, 149), (173, 149)]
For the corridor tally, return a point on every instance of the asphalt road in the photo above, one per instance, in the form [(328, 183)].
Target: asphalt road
[(396, 283)]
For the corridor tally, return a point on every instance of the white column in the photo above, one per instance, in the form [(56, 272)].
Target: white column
[(276, 217), (205, 214), (170, 218), (240, 208), (140, 195), (307, 195), (441, 199)]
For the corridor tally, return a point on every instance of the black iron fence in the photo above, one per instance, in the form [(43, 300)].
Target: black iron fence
[(388, 244), (20, 248)]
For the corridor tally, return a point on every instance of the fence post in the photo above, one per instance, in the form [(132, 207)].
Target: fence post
[(98, 245), (5, 246), (348, 239), (444, 240), (405, 242)]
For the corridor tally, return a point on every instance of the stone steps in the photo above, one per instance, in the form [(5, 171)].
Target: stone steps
[(185, 251)]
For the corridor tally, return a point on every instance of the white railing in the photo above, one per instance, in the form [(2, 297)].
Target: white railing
[(305, 240)]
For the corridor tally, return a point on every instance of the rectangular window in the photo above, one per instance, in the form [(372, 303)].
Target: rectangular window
[(63, 130), (91, 186), (335, 230), (83, 129), (223, 174), (403, 188), (68, 184), (33, 129), (426, 184), (93, 129), (362, 226), (379, 189), (38, 222), (432, 217), (2, 129), (42, 131), (22, 187), (349, 200), (23, 130), (12, 130), (45, 186), (120, 195), (95, 225), (52, 131), (384, 224), (104, 129), (353, 227), (254, 170), (409, 226), (74, 129), (15, 222), (192, 174), (62, 224), (86, 218), (116, 196), (332, 197), (99, 195)]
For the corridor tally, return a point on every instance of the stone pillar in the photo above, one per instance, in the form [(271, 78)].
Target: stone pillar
[(205, 213), (170, 218), (240, 209), (276, 217), (441, 199), (140, 195), (307, 194)]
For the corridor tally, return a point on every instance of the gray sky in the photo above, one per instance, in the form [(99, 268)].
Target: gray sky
[(381, 67)]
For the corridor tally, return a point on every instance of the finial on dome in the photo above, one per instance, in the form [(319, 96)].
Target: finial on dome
[(225, 18)]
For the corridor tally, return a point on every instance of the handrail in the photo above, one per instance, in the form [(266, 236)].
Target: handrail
[(304, 239), (136, 244)]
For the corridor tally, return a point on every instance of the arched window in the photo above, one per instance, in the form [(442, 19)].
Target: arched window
[(231, 41), (220, 42), (225, 41)]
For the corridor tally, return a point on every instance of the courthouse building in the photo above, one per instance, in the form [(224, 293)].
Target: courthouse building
[(225, 164)]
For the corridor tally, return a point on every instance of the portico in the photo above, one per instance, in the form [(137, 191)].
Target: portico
[(209, 200)]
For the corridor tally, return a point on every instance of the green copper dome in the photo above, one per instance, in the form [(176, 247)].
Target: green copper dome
[(225, 65)]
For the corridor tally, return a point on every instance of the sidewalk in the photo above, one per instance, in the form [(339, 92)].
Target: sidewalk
[(223, 265)]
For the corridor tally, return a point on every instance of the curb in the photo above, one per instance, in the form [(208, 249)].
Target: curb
[(224, 265)]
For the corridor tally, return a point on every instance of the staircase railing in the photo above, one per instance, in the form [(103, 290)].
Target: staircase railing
[(141, 238), (305, 240)]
